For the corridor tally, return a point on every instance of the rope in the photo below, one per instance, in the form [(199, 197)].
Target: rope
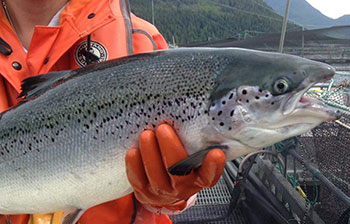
[(342, 124)]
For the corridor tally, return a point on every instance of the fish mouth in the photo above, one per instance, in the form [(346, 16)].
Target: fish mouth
[(309, 106), (317, 108)]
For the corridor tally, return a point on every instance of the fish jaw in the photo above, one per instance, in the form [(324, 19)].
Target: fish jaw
[(306, 114), (312, 107)]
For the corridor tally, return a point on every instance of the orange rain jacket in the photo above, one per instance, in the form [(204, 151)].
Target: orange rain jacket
[(89, 31)]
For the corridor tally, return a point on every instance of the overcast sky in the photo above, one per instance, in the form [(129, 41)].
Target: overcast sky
[(332, 8)]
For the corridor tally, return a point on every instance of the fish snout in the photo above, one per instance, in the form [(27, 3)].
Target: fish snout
[(333, 114), (319, 72), (337, 114)]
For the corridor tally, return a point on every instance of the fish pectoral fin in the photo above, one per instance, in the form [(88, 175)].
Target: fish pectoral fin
[(35, 86), (71, 216), (194, 161)]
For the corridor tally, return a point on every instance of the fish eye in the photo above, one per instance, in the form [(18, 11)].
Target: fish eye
[(280, 86)]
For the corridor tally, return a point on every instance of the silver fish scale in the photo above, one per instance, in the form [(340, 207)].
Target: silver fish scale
[(67, 147)]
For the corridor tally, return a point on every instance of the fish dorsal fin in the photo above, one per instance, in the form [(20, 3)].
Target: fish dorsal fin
[(35, 86)]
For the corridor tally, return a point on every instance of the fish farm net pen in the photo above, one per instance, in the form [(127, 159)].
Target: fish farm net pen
[(325, 152)]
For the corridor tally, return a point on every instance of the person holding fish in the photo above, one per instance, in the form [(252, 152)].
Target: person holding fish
[(41, 36)]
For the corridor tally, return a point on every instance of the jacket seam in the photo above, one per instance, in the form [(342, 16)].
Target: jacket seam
[(147, 35), (125, 10)]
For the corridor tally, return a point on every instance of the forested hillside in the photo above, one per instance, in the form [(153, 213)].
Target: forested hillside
[(191, 21)]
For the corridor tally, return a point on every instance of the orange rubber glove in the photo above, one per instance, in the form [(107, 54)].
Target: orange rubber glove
[(147, 170)]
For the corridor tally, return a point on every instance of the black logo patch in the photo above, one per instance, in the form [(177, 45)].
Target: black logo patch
[(96, 49)]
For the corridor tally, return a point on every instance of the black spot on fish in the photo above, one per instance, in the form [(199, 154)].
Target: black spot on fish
[(219, 113), (272, 103), (244, 92), (247, 101), (257, 97), (267, 95), (213, 118), (232, 112), (231, 95), (223, 102), (229, 128), (260, 90), (222, 124)]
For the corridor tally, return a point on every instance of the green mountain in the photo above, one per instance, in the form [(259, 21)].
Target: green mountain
[(189, 21)]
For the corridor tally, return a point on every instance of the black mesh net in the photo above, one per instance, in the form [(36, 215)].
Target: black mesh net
[(327, 148)]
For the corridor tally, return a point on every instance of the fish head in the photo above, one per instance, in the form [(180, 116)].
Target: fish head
[(259, 100)]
